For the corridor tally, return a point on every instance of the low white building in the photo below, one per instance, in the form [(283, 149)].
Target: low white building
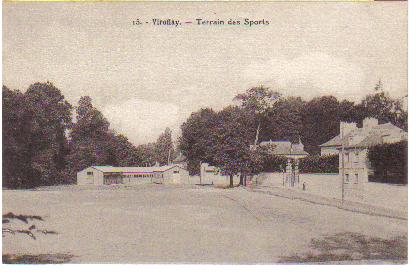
[(105, 175), (181, 161), (211, 175)]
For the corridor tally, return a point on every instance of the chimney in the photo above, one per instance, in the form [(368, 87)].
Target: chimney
[(300, 143), (369, 123), (345, 128)]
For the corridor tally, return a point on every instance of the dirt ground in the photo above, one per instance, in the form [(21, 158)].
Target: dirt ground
[(191, 224)]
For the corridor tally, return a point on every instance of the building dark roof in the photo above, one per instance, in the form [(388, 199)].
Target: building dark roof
[(284, 148), (362, 138), (152, 169), (367, 137), (336, 141)]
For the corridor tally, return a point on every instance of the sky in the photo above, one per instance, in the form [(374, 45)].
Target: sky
[(146, 78)]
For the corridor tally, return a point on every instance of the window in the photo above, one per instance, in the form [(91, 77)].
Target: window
[(347, 157), (356, 157), (356, 178), (347, 178), (90, 173)]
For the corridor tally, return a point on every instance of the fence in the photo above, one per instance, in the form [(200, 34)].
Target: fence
[(330, 186)]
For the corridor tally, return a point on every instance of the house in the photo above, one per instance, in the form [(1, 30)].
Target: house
[(285, 149), (211, 175), (390, 132), (352, 146), (105, 175), (180, 160), (293, 152)]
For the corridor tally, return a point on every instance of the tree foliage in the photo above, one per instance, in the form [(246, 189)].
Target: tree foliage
[(93, 143), (233, 137), (163, 148), (34, 127), (15, 152), (389, 162), (284, 120), (197, 141), (384, 108), (258, 99), (319, 164), (41, 145)]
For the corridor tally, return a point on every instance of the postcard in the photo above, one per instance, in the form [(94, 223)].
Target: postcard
[(205, 132)]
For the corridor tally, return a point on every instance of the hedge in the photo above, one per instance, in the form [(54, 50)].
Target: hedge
[(389, 162), (273, 163), (319, 164)]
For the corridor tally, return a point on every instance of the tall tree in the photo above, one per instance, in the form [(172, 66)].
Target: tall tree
[(258, 100), (384, 108), (50, 119), (16, 131), (320, 122), (197, 142), (126, 153), (164, 147), (147, 153), (233, 136), (284, 120), (91, 141)]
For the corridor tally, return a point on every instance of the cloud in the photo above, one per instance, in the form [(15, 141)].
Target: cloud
[(310, 75), (142, 121)]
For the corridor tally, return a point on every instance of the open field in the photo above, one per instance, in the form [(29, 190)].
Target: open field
[(193, 224)]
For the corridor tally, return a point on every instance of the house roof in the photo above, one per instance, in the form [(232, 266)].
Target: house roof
[(372, 137), (284, 148), (333, 142), (369, 137), (152, 169), (180, 158)]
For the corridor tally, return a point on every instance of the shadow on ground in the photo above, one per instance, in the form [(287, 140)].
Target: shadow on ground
[(9, 227), (37, 259), (348, 246), (10, 218)]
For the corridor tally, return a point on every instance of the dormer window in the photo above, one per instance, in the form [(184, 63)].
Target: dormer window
[(384, 138)]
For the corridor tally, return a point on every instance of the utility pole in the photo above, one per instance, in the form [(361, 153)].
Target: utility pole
[(200, 172), (342, 165), (169, 157)]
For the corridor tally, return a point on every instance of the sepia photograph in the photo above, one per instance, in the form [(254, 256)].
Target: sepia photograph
[(231, 133)]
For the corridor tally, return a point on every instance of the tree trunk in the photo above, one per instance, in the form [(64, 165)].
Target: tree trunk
[(257, 136), (241, 179), (231, 181)]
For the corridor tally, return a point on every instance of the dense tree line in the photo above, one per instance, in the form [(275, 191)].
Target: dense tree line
[(223, 138), (42, 146)]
